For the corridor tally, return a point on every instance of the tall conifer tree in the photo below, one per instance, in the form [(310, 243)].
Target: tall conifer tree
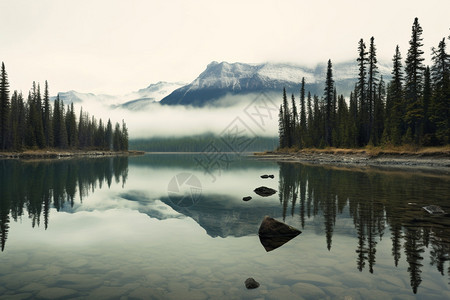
[(329, 97), (4, 108), (414, 84)]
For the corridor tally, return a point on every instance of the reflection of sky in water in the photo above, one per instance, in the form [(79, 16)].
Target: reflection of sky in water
[(129, 241)]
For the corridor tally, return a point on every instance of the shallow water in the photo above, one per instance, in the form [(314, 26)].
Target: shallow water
[(164, 227)]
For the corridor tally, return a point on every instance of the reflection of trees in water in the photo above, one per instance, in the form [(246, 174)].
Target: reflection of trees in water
[(38, 186), (374, 200)]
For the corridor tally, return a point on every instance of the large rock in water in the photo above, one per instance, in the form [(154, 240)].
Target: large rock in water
[(264, 191), (274, 234)]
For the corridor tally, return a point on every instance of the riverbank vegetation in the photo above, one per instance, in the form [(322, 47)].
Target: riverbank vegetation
[(34, 124), (410, 110)]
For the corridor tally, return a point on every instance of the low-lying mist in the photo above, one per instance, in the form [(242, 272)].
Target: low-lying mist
[(250, 114)]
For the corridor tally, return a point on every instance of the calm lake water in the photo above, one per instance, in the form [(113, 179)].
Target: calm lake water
[(160, 227)]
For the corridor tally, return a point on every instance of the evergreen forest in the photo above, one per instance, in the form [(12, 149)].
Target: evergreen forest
[(34, 123), (412, 108)]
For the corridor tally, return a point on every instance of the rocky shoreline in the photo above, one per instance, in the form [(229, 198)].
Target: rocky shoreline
[(65, 154), (434, 163)]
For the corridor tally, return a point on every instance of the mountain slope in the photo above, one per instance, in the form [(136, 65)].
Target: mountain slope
[(221, 79)]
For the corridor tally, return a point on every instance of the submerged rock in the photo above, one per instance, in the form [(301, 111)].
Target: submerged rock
[(251, 283), (274, 234), (248, 198), (264, 191), (434, 209)]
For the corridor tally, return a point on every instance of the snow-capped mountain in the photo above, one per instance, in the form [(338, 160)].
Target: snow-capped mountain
[(133, 101), (220, 79)]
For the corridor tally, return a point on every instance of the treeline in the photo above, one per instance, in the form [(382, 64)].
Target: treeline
[(35, 124), (412, 108)]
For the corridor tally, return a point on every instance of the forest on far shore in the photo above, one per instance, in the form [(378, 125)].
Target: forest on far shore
[(35, 124), (411, 109)]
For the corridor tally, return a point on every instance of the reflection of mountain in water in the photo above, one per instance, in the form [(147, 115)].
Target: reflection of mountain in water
[(222, 215), (39, 186)]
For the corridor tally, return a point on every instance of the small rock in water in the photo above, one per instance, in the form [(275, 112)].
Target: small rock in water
[(434, 209), (264, 191), (248, 198), (251, 283)]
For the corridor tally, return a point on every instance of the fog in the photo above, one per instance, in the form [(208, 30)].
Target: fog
[(251, 114)]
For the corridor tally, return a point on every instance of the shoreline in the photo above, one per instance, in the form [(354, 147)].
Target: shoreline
[(53, 154), (430, 162)]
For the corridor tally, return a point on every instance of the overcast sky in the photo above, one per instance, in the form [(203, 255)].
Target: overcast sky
[(114, 47)]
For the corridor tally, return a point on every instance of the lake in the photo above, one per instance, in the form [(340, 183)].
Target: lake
[(174, 226)]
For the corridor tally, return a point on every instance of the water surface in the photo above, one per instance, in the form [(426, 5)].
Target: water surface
[(119, 228)]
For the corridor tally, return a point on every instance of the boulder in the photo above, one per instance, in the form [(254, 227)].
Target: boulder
[(251, 283), (264, 191), (274, 234), (248, 198)]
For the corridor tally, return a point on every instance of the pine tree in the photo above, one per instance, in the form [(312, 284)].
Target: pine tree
[(294, 127), (414, 83), (310, 121), (47, 118), (427, 129), (378, 114), (13, 122), (395, 107), (353, 120), (372, 87), (124, 136), (109, 136), (328, 97), (37, 116), (342, 121), (4, 108), (286, 121), (303, 129), (361, 93), (317, 132), (30, 138), (71, 125), (59, 125), (116, 137)]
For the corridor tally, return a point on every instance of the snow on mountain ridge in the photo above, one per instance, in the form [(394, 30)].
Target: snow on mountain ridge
[(234, 75)]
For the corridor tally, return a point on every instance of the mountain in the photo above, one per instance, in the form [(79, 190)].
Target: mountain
[(78, 98), (133, 101), (151, 94), (221, 79)]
